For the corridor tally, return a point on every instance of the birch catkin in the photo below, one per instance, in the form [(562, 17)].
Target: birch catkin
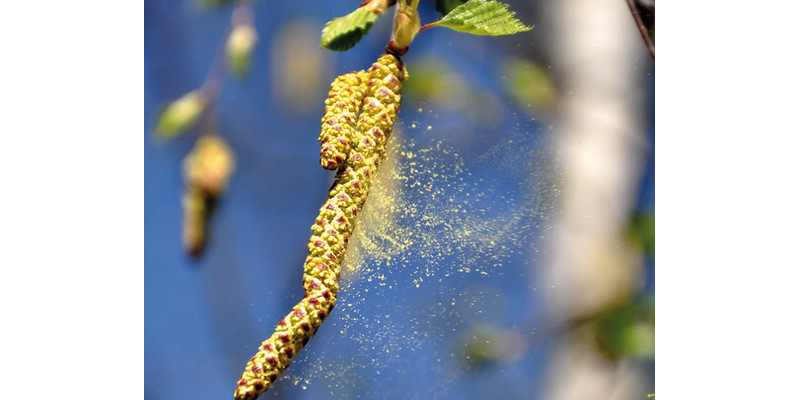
[(339, 119), (331, 230), (206, 171)]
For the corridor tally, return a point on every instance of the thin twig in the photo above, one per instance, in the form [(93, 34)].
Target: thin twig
[(215, 77), (642, 30)]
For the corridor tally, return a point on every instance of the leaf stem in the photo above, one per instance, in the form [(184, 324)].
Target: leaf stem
[(426, 26)]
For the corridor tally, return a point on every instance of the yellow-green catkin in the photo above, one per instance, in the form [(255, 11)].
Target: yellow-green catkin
[(195, 210), (331, 230), (339, 118), (206, 172)]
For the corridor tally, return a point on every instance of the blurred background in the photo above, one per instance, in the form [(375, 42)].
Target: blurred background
[(505, 252)]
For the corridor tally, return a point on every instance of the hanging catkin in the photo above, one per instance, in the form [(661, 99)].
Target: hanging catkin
[(339, 120), (331, 230), (206, 172)]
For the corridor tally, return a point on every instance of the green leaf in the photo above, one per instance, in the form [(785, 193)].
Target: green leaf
[(343, 33), (529, 84), (180, 115), (626, 329), (642, 231), (445, 6), (483, 17)]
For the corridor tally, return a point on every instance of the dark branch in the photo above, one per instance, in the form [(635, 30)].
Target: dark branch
[(642, 29)]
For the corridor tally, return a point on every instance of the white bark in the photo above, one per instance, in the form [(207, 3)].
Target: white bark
[(599, 57)]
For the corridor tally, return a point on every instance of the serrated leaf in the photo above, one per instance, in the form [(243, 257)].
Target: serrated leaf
[(445, 6), (343, 33), (482, 17)]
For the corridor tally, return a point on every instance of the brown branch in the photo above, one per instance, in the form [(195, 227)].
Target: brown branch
[(642, 30)]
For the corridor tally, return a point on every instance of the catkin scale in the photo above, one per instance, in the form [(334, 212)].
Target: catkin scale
[(339, 118), (332, 229)]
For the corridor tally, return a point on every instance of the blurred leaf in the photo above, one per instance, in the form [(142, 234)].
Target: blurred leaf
[(239, 49), (343, 33), (642, 230), (627, 330), (440, 83), (436, 80), (445, 6), (301, 74), (180, 115), (486, 344), (529, 84), (483, 17)]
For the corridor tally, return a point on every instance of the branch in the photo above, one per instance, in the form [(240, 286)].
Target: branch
[(642, 30)]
